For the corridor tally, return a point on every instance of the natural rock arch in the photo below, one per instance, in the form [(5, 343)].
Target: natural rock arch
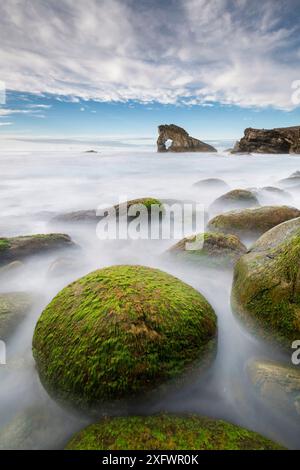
[(181, 141)]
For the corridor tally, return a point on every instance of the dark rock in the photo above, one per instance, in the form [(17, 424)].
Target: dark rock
[(181, 141), (17, 248), (236, 199), (275, 141), (13, 308)]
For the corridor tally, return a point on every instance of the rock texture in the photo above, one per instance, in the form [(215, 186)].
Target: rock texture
[(181, 141), (280, 140)]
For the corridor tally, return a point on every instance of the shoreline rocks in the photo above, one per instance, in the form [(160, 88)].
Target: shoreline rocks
[(13, 309), (234, 200), (181, 140), (274, 141)]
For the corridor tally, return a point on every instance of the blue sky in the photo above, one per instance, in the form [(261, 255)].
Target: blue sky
[(121, 68)]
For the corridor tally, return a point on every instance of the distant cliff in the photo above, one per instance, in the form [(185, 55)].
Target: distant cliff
[(181, 141), (281, 140)]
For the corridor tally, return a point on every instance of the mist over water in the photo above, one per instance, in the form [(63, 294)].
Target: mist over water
[(38, 184)]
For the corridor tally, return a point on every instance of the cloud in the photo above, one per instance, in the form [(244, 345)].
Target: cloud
[(6, 124), (238, 52)]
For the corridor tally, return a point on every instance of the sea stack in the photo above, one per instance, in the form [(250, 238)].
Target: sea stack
[(280, 140), (181, 141)]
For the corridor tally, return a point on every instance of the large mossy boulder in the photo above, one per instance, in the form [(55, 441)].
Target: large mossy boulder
[(211, 249), (277, 385), (252, 223), (168, 432), (18, 248), (233, 200), (120, 331), (13, 309), (266, 286)]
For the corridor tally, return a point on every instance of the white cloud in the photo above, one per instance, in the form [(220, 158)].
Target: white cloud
[(177, 51), (5, 124)]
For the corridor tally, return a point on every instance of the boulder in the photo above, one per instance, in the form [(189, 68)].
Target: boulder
[(18, 248), (266, 287), (181, 141), (274, 141), (168, 432), (13, 308), (251, 223), (235, 199), (212, 184), (212, 249), (119, 332), (278, 385)]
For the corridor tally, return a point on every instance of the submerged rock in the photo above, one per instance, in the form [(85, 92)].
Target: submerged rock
[(168, 432), (277, 384), (266, 287), (251, 223), (11, 269), (275, 141), (63, 266), (13, 309), (212, 249), (118, 332), (212, 184), (18, 248), (181, 141), (235, 199)]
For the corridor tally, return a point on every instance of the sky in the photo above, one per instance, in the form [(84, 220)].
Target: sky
[(74, 68)]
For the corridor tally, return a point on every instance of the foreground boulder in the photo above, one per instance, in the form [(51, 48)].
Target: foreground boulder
[(13, 308), (235, 199), (251, 223), (278, 385), (266, 287), (18, 248), (181, 141), (212, 249), (118, 332), (168, 432), (280, 140)]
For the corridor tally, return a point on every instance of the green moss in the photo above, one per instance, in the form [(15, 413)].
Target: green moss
[(266, 290), (4, 244), (168, 432), (119, 331)]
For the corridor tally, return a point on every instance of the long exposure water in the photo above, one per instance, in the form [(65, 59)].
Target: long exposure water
[(37, 184)]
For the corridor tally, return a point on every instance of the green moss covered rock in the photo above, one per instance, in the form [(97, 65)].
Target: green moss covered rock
[(13, 308), (167, 432), (212, 249), (118, 332), (266, 286), (251, 223), (233, 200), (18, 248)]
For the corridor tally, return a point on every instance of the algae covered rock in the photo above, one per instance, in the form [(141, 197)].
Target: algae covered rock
[(168, 432), (266, 286), (13, 308), (252, 222), (18, 248), (212, 249), (278, 385), (120, 331), (235, 199)]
